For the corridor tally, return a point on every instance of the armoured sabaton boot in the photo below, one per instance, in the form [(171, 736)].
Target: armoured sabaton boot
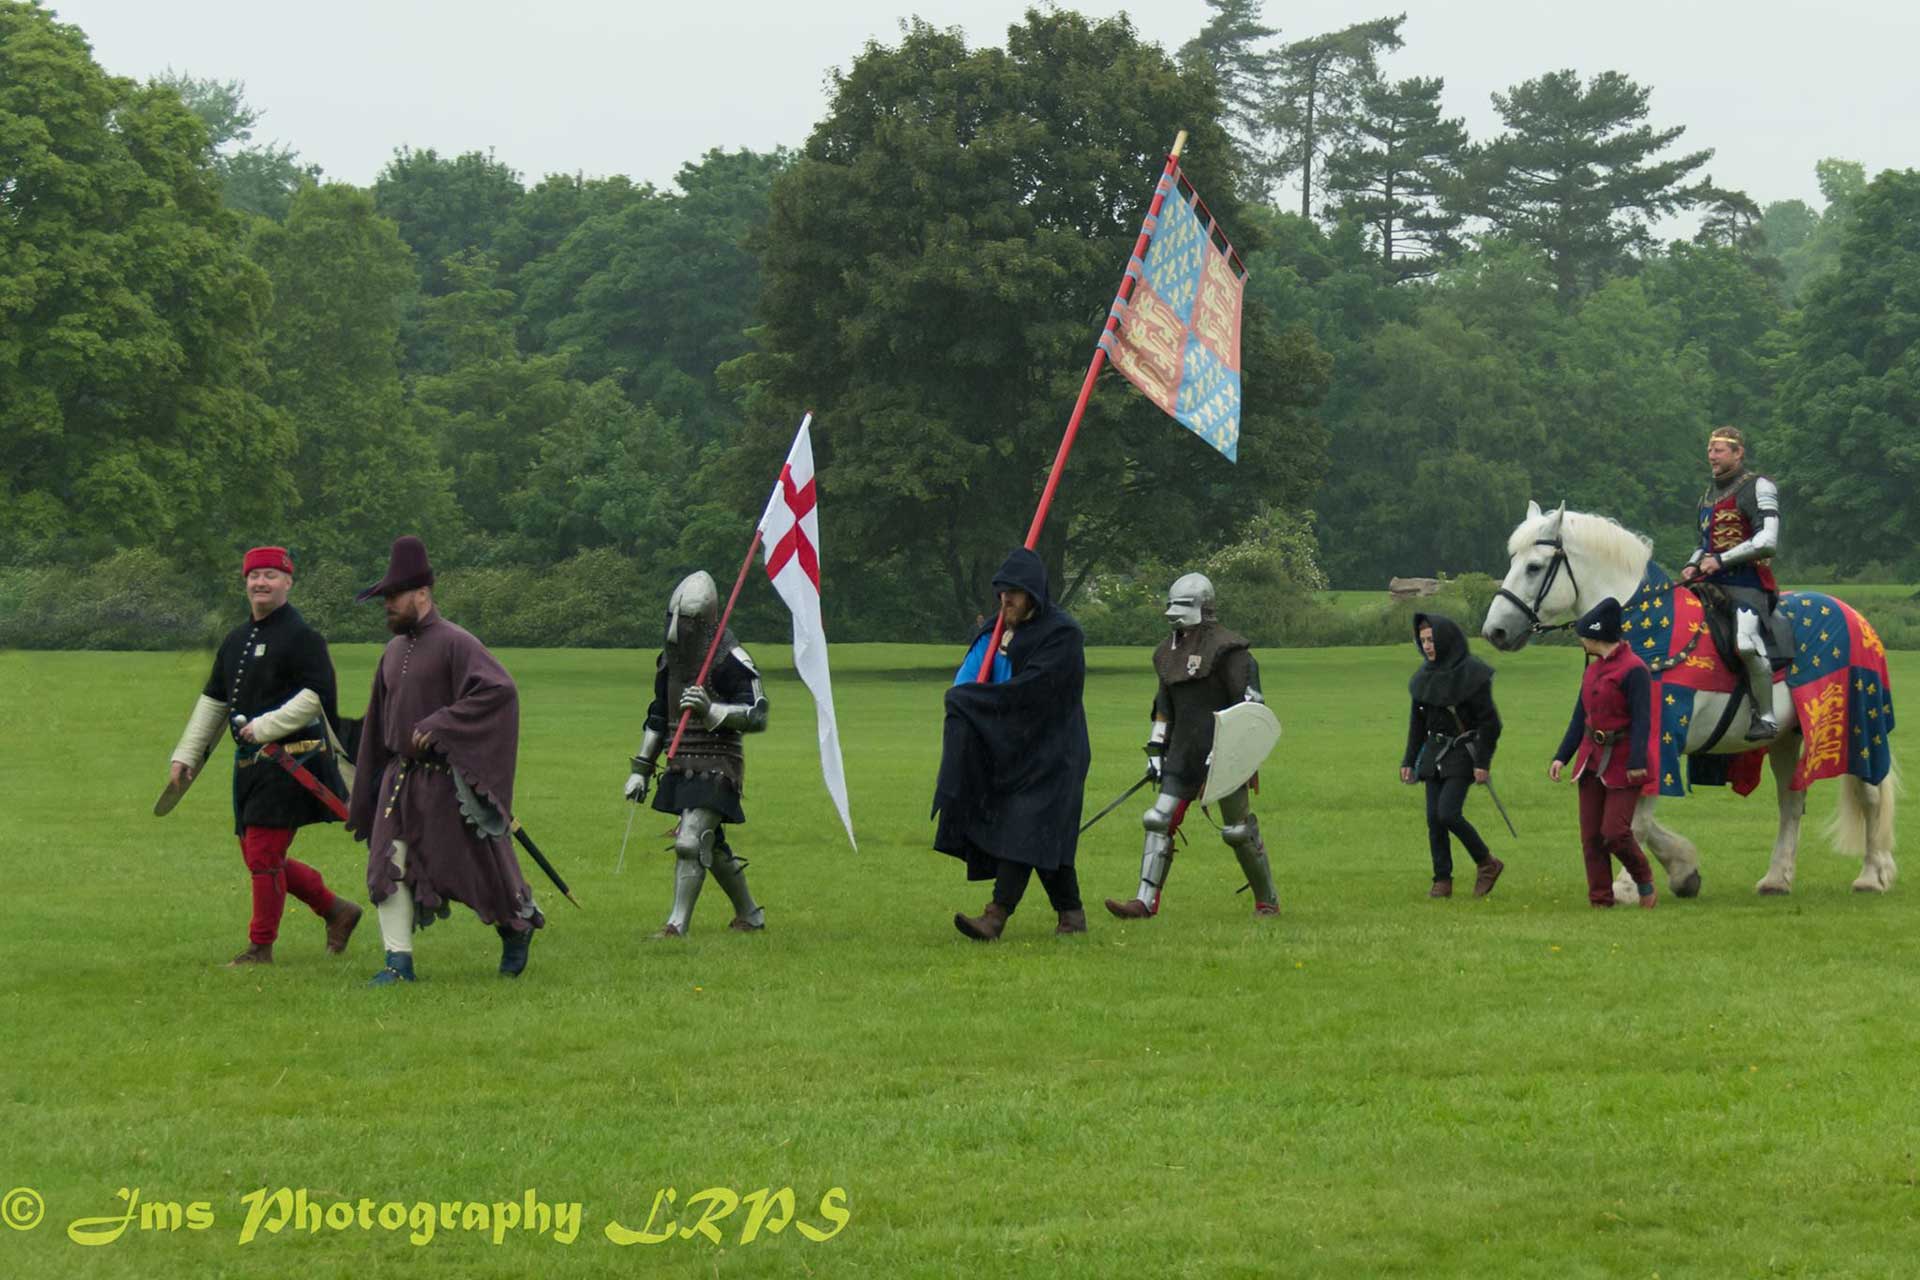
[(1759, 676), (1244, 839), (1156, 860), (730, 873)]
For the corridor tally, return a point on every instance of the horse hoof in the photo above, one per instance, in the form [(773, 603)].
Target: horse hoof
[(1688, 888), (1767, 889), (1868, 886)]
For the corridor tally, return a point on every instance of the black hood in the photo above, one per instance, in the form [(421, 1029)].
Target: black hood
[(1453, 674), (1024, 571)]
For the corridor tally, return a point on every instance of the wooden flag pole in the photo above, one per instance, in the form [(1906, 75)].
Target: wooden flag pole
[(1086, 387)]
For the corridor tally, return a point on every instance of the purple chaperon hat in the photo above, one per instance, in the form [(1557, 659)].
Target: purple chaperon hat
[(407, 568)]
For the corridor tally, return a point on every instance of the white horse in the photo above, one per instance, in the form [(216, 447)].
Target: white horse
[(1565, 562)]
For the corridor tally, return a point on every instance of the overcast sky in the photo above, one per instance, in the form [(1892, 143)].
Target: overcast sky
[(640, 86)]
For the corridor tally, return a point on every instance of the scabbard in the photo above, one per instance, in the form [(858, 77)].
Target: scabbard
[(533, 851), (304, 776)]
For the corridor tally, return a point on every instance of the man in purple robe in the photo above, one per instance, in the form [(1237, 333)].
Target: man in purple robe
[(435, 796)]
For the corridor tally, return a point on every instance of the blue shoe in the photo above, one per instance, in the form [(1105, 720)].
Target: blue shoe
[(399, 969), (513, 950)]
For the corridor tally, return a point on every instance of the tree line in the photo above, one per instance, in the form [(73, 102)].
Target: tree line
[(206, 343)]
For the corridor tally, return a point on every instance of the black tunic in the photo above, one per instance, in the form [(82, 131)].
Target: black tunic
[(258, 668), (1013, 762), (1202, 670), (1452, 695), (710, 770)]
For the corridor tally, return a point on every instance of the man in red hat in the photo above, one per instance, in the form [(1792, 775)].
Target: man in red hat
[(436, 764), (272, 681)]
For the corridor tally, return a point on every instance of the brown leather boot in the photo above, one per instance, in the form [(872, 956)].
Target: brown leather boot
[(1441, 889), (256, 953), (342, 918), (1131, 909), (984, 927), (1483, 879), (1071, 922)]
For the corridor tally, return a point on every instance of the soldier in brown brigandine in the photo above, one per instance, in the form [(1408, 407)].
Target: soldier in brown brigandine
[(1203, 668)]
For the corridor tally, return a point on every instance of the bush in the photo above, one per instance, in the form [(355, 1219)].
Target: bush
[(131, 600)]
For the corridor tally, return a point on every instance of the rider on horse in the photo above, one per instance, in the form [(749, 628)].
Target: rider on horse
[(1739, 533)]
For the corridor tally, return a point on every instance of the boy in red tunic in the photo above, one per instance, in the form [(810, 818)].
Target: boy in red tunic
[(1611, 741)]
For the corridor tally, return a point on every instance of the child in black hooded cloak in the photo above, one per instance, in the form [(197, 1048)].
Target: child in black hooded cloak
[(1451, 735)]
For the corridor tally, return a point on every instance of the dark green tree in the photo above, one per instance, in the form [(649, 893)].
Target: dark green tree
[(939, 262), (485, 407), (1579, 174), (551, 210), (1731, 313), (1398, 172), (445, 206), (659, 292), (607, 475), (130, 356), (341, 279), (1846, 439), (1315, 96)]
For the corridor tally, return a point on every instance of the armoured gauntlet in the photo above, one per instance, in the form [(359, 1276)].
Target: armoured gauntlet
[(643, 767)]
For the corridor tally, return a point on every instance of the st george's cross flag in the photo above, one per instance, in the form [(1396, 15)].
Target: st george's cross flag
[(790, 534)]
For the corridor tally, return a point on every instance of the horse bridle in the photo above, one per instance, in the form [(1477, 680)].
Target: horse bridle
[(1532, 611)]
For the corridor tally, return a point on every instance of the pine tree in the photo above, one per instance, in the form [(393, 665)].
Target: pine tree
[(1578, 174), (1318, 91), (1398, 171), (1227, 46)]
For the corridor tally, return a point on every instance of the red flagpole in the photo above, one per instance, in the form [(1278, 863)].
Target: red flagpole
[(1086, 390)]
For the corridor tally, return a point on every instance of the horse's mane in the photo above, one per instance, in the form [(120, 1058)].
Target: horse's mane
[(1609, 542)]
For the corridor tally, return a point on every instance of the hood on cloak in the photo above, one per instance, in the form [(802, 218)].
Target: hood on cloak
[(1453, 674), (1024, 571)]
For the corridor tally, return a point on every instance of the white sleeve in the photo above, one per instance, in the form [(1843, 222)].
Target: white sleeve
[(203, 726), (290, 717)]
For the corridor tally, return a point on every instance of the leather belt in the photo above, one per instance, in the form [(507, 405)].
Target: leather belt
[(300, 748)]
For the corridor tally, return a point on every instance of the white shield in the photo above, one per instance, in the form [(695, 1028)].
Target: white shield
[(1243, 735)]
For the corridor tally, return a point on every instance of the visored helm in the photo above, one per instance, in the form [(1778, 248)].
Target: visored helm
[(696, 599), (1190, 600)]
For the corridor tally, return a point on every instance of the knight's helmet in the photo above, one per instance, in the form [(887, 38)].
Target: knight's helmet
[(696, 603), (1190, 600)]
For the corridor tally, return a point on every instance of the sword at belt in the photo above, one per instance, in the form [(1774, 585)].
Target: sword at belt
[(278, 753)]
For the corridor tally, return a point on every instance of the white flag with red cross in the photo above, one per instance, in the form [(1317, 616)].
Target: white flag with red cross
[(790, 533)]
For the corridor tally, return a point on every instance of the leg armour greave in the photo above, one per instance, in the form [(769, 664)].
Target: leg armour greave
[(1155, 862), (1244, 839), (693, 854), (730, 873)]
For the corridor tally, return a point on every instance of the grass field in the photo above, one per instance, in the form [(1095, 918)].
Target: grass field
[(1371, 1085)]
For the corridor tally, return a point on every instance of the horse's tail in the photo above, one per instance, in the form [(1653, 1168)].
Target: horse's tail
[(1848, 827)]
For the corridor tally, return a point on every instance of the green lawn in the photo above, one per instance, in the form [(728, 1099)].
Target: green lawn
[(1371, 1085)]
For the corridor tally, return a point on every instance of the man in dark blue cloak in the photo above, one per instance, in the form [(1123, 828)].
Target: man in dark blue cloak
[(1013, 764)]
